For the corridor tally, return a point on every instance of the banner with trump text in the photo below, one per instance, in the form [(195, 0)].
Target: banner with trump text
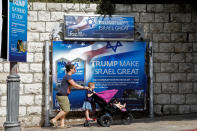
[(110, 65)]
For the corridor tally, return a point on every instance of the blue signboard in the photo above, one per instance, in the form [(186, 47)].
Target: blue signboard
[(98, 27), (17, 43), (110, 65)]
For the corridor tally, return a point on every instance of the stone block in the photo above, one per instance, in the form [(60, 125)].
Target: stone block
[(183, 47), (26, 77), (38, 77), (27, 100), (39, 100), (169, 109), (162, 17), (34, 110), (194, 57), (32, 36), (177, 57), (163, 99), (139, 7), (188, 57), (171, 8), (195, 67), (195, 47), (33, 88), (169, 67), (36, 26), (22, 111), (192, 37), (177, 99), (119, 9), (180, 17), (35, 47), (1, 67), (3, 101), (21, 92), (172, 27), (39, 6), (192, 77), (157, 109), (183, 109), (186, 67), (90, 7), (44, 36), (157, 88), (36, 67), (2, 111), (161, 37), (193, 108), (50, 26), (185, 88), (54, 7), (57, 16), (38, 57), (155, 47), (166, 47), (6, 67), (23, 67), (169, 87), (179, 37), (30, 57), (31, 120), (69, 7), (32, 16), (155, 7), (178, 77), (162, 77), (188, 27), (44, 16), (146, 17), (156, 27), (30, 6), (3, 77), (161, 57), (3, 89), (194, 17), (156, 67), (191, 98)]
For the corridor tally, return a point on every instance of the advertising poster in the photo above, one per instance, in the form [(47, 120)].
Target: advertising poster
[(17, 42), (98, 27), (110, 65)]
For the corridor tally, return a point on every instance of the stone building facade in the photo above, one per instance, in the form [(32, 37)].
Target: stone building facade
[(171, 27)]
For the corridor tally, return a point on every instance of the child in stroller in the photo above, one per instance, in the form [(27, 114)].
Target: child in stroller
[(109, 111), (119, 105)]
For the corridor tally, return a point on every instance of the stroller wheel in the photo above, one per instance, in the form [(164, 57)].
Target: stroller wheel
[(105, 120), (127, 119), (87, 124)]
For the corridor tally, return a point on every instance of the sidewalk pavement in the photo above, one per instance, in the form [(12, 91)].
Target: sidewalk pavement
[(163, 123)]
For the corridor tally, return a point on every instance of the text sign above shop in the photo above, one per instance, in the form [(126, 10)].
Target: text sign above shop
[(97, 27)]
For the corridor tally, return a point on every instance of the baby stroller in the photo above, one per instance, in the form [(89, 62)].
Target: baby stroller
[(109, 111)]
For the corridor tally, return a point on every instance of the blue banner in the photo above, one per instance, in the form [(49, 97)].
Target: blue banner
[(98, 27), (110, 65), (17, 43)]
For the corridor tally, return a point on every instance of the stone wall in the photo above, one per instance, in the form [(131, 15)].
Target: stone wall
[(171, 27)]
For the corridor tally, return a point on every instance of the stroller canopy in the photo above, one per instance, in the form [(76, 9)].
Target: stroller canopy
[(107, 95)]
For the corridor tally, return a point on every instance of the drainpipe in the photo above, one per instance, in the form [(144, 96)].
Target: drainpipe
[(46, 84), (151, 109)]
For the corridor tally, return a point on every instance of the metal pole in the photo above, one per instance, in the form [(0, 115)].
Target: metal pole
[(151, 80), (13, 87), (0, 25), (46, 84)]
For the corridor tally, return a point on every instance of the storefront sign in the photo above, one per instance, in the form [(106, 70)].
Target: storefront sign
[(99, 28), (111, 65)]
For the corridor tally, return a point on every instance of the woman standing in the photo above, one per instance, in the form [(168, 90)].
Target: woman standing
[(63, 92)]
